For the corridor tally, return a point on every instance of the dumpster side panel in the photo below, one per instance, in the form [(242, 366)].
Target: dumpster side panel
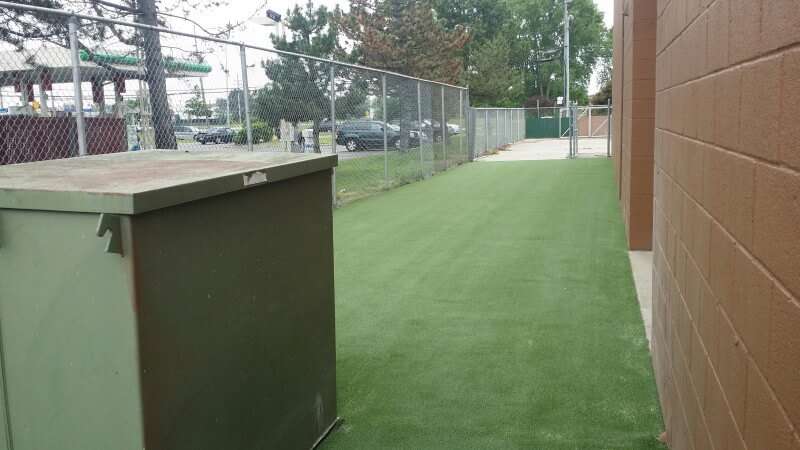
[(237, 318), (67, 327), (5, 437)]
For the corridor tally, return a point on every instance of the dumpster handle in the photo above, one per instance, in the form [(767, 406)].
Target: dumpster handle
[(111, 223)]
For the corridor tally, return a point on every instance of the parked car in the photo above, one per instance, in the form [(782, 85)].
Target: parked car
[(364, 134), (186, 133), (434, 129), (215, 135), (358, 135)]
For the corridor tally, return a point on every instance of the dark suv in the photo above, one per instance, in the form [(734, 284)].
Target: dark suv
[(365, 134), (215, 135)]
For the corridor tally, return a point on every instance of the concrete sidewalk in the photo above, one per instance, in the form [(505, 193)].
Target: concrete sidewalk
[(548, 149)]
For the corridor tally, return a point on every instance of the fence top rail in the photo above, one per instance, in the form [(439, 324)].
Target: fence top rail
[(534, 108), (490, 108), (70, 14)]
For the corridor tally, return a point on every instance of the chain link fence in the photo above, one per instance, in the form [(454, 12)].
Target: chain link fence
[(142, 87), (496, 128)]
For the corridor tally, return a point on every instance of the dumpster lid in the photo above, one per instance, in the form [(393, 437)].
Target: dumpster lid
[(137, 182)]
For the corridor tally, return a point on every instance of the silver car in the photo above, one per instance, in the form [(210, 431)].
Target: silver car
[(185, 133)]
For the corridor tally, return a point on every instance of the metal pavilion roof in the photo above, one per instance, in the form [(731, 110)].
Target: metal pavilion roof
[(29, 65)]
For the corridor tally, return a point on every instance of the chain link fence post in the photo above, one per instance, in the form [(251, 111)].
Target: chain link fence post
[(497, 129), (461, 122), (486, 129), (608, 133), (246, 96), (76, 83), (333, 126), (385, 127), (575, 129), (419, 126), (509, 126), (512, 118), (444, 131)]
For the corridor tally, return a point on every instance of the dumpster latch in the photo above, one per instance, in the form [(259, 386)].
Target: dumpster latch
[(111, 223)]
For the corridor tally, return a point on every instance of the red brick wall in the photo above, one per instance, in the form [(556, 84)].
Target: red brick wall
[(726, 317), (28, 139), (634, 116)]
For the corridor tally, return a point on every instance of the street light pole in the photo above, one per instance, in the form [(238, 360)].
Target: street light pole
[(227, 95)]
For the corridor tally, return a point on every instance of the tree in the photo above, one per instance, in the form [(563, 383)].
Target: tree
[(236, 100), (604, 72), (603, 95), (405, 36), (221, 109), (299, 88), (485, 19), (196, 107), (538, 31), (492, 79)]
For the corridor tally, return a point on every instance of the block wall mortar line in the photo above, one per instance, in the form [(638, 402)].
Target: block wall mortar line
[(759, 264), (738, 66), (777, 165), (696, 330), (682, 30), (773, 395), (682, 401)]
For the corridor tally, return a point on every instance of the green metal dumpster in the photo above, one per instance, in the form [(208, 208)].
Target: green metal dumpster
[(167, 300)]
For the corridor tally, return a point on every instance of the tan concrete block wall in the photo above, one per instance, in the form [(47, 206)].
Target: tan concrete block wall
[(634, 86), (726, 315)]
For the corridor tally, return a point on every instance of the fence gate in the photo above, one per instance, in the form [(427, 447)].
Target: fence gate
[(553, 122), (593, 121)]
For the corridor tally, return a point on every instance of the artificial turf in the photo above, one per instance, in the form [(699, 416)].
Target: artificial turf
[(491, 307), (357, 178)]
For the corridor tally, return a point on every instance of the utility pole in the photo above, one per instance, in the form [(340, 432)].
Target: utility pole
[(227, 91), (156, 77), (239, 99), (200, 60), (566, 52), (227, 100)]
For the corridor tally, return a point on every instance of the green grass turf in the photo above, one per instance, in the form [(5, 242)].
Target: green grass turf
[(362, 177), (491, 307)]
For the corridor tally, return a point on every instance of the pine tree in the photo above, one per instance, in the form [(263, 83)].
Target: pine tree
[(299, 88), (405, 36), (493, 81)]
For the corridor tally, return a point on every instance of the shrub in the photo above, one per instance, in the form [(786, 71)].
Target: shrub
[(261, 133)]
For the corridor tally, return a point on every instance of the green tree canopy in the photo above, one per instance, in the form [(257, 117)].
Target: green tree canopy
[(538, 27), (493, 80), (196, 107), (534, 31), (406, 36), (485, 20)]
